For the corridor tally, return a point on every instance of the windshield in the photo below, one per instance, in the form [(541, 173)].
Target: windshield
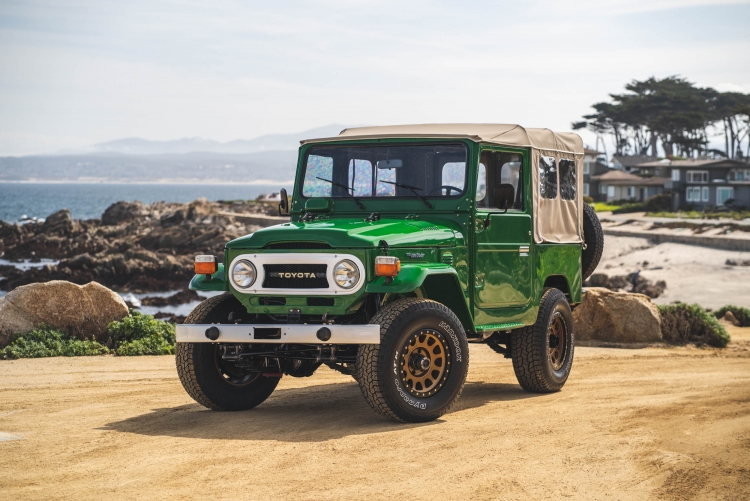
[(375, 171)]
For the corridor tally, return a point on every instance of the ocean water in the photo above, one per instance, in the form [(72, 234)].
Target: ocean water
[(88, 201)]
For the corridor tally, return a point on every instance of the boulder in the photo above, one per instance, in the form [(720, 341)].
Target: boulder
[(61, 223), (616, 317), (83, 311), (123, 211), (731, 319)]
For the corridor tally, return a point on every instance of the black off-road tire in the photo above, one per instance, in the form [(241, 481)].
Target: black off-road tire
[(533, 361), (404, 324), (593, 236), (198, 368)]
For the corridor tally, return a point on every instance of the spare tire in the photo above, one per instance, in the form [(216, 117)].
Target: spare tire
[(593, 237)]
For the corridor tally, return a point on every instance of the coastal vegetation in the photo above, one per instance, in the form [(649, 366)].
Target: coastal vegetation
[(675, 113), (683, 323), (137, 334)]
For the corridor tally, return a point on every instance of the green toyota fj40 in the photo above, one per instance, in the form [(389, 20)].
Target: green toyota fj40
[(405, 244)]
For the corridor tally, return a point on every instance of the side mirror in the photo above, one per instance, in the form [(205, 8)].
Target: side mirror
[(504, 196), (283, 203)]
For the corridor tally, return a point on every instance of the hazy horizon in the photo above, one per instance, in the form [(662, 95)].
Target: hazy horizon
[(77, 73)]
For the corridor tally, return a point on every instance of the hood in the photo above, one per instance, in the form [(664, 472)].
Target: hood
[(350, 232)]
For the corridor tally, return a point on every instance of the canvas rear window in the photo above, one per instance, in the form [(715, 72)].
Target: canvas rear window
[(567, 179), (548, 177)]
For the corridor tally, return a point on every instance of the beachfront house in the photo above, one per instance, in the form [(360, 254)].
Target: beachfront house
[(619, 185), (594, 164), (698, 183), (630, 163)]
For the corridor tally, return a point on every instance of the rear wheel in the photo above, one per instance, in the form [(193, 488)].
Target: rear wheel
[(418, 370), (212, 381), (543, 353)]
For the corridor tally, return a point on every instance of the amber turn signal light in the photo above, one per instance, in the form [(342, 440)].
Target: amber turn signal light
[(205, 265), (387, 266)]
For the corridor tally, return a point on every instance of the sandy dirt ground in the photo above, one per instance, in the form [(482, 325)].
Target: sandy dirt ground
[(693, 274), (656, 423)]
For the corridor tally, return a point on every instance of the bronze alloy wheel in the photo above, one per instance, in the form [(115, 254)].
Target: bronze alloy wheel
[(558, 342), (425, 363)]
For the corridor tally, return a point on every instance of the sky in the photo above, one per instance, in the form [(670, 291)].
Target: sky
[(76, 73)]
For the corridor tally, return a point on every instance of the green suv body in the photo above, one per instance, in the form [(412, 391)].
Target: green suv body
[(404, 244)]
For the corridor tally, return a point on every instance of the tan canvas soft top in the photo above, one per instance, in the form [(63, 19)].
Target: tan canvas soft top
[(555, 220)]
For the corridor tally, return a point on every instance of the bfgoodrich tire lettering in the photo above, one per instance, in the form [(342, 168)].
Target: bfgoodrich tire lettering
[(543, 353), (200, 368), (418, 371)]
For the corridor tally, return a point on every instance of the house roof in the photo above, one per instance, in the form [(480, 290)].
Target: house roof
[(632, 160), (587, 151), (504, 134), (620, 178), (693, 162)]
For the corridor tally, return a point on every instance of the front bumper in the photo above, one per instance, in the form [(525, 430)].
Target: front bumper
[(279, 333)]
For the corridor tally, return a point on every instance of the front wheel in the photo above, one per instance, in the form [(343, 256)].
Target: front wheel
[(418, 370), (211, 380), (543, 353)]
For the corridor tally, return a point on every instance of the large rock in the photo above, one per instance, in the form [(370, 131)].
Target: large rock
[(616, 317), (123, 211), (83, 311)]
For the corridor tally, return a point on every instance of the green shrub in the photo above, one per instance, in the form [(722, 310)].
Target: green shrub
[(689, 323), (630, 207), (588, 200), (740, 313), (141, 334), (660, 202), (48, 342)]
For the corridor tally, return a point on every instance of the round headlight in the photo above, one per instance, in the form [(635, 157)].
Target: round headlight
[(346, 274), (243, 274)]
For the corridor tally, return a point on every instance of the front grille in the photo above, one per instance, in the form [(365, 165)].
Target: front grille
[(298, 245), (272, 301), (320, 301), (295, 276)]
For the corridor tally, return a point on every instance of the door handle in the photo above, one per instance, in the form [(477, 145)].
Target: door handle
[(523, 250)]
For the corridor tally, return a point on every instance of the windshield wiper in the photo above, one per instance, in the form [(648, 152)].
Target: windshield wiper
[(413, 190), (359, 204)]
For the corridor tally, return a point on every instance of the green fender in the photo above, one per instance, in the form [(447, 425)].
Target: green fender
[(217, 282), (437, 281)]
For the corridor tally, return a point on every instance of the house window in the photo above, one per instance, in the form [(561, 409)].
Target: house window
[(631, 191), (693, 194), (585, 189), (675, 174), (723, 194), (697, 176), (586, 167), (704, 195), (602, 189), (610, 191)]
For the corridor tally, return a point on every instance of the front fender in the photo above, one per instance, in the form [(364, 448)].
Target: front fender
[(217, 282), (410, 278)]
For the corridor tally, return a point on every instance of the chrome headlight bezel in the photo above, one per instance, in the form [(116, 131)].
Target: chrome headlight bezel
[(351, 279), (248, 266)]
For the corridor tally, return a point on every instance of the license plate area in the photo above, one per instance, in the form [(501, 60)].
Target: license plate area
[(266, 333)]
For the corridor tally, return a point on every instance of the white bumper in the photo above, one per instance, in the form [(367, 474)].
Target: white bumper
[(279, 334)]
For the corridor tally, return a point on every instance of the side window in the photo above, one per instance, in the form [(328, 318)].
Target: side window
[(360, 178), (481, 185), (496, 168), (318, 166), (548, 177), (568, 179)]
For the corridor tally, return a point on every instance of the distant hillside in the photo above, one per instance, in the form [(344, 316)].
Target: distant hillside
[(244, 168), (266, 158), (270, 142)]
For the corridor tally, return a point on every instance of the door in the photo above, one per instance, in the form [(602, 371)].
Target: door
[(503, 239)]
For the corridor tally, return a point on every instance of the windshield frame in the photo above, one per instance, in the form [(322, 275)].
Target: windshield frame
[(400, 142)]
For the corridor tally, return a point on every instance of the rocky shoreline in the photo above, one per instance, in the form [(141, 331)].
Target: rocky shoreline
[(134, 247)]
